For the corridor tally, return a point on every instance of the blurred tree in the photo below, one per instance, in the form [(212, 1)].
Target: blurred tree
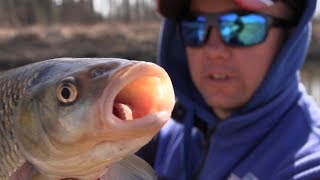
[(29, 12), (78, 12), (126, 15), (42, 11), (8, 12)]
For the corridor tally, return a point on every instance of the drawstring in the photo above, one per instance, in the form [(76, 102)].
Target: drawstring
[(188, 123)]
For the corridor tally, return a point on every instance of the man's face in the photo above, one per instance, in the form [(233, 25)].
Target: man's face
[(227, 77)]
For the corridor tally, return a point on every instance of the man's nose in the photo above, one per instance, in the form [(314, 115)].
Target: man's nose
[(215, 47)]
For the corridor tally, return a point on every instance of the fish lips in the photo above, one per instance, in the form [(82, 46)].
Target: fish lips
[(145, 95)]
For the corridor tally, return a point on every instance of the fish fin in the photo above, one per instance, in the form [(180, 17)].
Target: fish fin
[(130, 168), (25, 172)]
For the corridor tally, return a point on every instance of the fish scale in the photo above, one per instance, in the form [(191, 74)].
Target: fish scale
[(12, 90), (14, 84)]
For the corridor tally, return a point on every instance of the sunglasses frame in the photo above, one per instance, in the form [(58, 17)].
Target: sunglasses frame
[(212, 20)]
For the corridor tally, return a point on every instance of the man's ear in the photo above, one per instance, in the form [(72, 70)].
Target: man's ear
[(173, 9)]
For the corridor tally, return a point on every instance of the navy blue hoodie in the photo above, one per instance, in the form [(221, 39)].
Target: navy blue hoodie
[(276, 135)]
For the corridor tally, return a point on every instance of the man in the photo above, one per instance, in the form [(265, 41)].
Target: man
[(241, 111)]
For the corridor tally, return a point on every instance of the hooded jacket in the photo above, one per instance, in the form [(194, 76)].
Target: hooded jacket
[(276, 135)]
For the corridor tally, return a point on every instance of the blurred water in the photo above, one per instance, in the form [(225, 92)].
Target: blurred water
[(310, 76)]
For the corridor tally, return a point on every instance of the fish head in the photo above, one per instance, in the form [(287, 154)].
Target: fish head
[(84, 115)]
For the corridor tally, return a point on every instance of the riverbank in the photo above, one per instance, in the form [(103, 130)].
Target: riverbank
[(131, 41)]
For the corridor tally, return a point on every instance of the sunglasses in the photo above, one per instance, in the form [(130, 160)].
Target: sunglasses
[(237, 28)]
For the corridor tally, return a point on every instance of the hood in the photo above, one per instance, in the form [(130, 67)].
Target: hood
[(282, 74)]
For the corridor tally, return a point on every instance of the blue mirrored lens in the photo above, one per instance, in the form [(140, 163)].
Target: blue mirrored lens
[(243, 30), (193, 32)]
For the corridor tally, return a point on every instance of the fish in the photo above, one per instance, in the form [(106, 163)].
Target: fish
[(81, 118)]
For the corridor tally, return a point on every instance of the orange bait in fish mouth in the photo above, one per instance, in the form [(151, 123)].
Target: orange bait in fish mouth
[(143, 96)]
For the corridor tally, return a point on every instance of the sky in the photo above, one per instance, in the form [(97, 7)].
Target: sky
[(102, 7)]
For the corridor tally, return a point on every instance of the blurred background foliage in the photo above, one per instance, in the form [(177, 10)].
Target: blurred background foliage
[(33, 30), (30, 12)]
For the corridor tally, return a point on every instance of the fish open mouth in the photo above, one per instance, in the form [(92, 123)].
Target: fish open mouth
[(146, 89), (139, 98)]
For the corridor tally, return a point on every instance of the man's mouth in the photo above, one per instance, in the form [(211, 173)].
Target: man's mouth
[(217, 76)]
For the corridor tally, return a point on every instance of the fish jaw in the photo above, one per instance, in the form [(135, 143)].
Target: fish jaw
[(145, 92)]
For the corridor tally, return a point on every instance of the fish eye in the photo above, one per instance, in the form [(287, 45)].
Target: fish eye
[(67, 92)]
